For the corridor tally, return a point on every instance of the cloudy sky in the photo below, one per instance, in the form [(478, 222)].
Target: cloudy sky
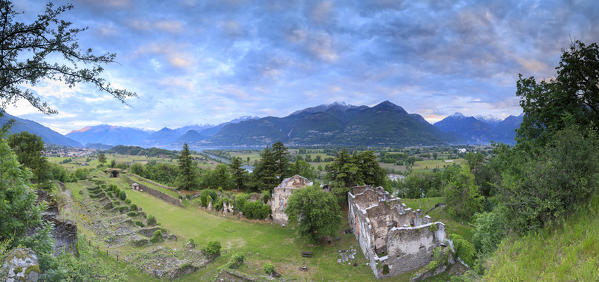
[(198, 62)]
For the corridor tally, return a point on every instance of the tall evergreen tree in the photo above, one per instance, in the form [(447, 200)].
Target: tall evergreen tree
[(281, 160), (238, 173), (186, 179), (265, 171), (102, 158)]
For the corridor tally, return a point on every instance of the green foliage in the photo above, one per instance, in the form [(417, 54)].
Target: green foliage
[(139, 151), (256, 210), (186, 178), (151, 220), (132, 213), (265, 171), (212, 250), (562, 174), (462, 195), (347, 171), (207, 196), (133, 207), (269, 269), (139, 223), (80, 174), (238, 173), (316, 212), (236, 260), (102, 158), (122, 195), (192, 244), (220, 176), (463, 249), (19, 210), (490, 229), (161, 172), (156, 237), (240, 200), (29, 149), (265, 196), (303, 168), (568, 99)]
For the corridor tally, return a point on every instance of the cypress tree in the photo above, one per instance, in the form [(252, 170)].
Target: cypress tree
[(186, 176)]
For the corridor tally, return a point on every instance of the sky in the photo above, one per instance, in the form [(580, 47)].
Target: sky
[(207, 62)]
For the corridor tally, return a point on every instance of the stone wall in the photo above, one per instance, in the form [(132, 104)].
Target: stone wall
[(281, 195), (394, 238), (156, 193)]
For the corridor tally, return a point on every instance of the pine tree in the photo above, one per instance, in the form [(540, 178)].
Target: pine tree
[(265, 171), (281, 161), (186, 174), (238, 173)]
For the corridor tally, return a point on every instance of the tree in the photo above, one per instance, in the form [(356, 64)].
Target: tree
[(315, 211), (265, 171), (29, 149), (371, 172), (102, 158), (571, 98), (239, 174), (281, 159), (28, 53), (462, 195), (302, 168), (186, 178)]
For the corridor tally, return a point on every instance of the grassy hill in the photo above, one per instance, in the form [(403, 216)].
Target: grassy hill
[(567, 251)]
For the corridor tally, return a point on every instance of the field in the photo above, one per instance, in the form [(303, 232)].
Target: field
[(259, 241)]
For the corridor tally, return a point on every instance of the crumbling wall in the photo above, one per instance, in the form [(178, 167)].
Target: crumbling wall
[(281, 195), (395, 239)]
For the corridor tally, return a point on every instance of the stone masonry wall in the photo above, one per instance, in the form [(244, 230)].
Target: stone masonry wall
[(156, 193)]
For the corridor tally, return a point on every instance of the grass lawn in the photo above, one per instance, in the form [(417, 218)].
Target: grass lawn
[(566, 252), (144, 182)]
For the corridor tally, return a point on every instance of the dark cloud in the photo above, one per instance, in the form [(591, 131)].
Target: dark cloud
[(256, 57)]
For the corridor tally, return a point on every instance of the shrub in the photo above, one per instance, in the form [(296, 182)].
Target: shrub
[(212, 249), (122, 195), (139, 223), (256, 210), (462, 195), (265, 196), (240, 200), (132, 213), (127, 201), (151, 220), (112, 187), (156, 237), (236, 260), (490, 229), (206, 196), (269, 269), (123, 209), (133, 207), (190, 243), (463, 249)]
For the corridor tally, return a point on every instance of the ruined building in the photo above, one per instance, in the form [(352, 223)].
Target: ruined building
[(281, 194), (394, 238)]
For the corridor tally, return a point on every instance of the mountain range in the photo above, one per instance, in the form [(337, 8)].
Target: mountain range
[(470, 130), (385, 124), (48, 135)]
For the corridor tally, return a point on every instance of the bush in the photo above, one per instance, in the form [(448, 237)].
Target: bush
[(133, 207), (127, 201), (151, 220), (256, 210), (132, 213), (156, 237), (139, 223), (212, 249), (240, 200), (191, 244), (269, 269), (112, 187), (122, 195), (463, 249), (490, 229), (265, 195), (462, 195), (236, 260), (123, 209), (206, 196)]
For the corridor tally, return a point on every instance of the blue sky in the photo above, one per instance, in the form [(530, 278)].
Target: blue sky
[(198, 62)]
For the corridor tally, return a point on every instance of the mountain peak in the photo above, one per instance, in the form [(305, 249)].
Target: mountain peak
[(458, 115), (388, 105)]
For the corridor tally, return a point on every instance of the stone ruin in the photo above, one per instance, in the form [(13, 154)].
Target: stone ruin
[(281, 194), (135, 187), (394, 238)]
